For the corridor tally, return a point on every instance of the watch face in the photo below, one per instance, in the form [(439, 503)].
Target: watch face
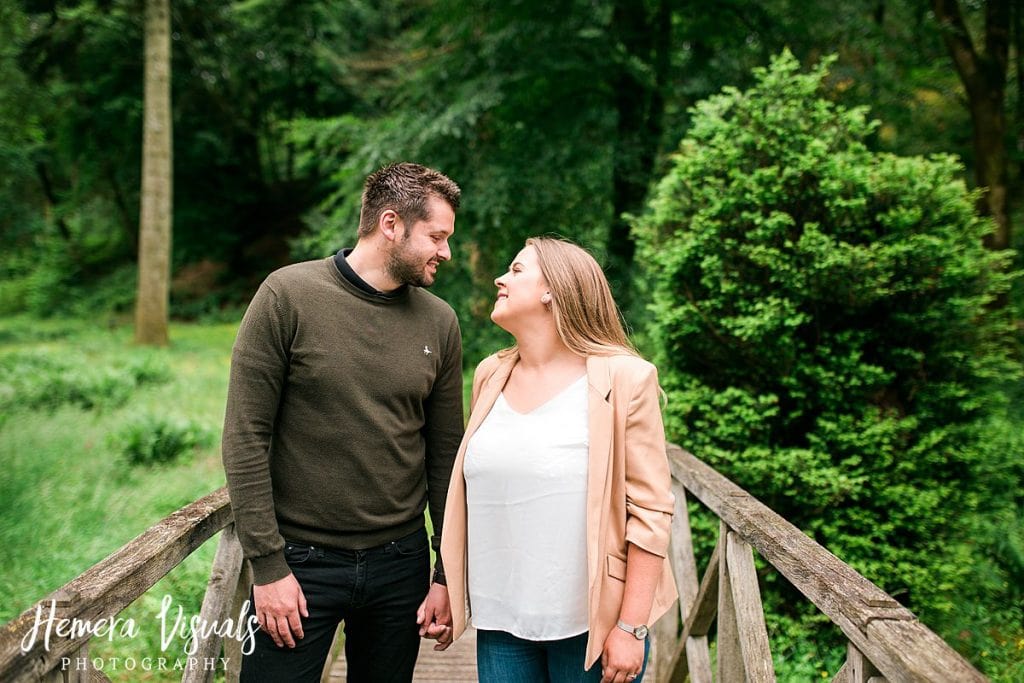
[(640, 632)]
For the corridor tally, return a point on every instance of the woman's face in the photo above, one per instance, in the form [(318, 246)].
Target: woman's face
[(520, 290)]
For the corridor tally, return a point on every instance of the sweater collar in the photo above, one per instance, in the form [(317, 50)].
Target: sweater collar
[(342, 264)]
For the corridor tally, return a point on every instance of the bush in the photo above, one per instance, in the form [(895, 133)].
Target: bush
[(40, 379), (821, 317), (149, 439)]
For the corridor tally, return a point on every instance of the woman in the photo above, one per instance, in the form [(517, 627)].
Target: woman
[(558, 514)]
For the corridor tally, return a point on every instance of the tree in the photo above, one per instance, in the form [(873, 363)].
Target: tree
[(157, 182), (643, 33), (984, 74), (515, 102), (819, 316)]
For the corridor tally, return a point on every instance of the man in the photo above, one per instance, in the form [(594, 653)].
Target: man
[(344, 414)]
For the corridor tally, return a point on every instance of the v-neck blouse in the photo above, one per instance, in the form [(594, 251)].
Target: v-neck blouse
[(526, 496)]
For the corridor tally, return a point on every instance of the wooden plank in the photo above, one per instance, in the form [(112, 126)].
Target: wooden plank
[(729, 655), (220, 590), (232, 647), (81, 670), (664, 639), (336, 649), (857, 668), (80, 674), (853, 603), (684, 565), (746, 597), (699, 621), (843, 675), (457, 664), (109, 586)]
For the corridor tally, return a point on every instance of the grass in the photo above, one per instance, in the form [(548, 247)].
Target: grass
[(69, 497), (76, 402)]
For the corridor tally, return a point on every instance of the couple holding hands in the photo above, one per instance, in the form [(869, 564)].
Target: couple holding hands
[(344, 422)]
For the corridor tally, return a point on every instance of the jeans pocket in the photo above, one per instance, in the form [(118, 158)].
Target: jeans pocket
[(297, 554), (415, 544)]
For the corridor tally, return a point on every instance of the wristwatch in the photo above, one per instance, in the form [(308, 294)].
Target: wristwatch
[(638, 632)]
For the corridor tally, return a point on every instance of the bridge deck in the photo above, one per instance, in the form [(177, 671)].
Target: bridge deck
[(454, 665)]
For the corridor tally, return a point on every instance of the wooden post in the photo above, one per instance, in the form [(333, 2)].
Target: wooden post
[(746, 596), (684, 565), (232, 647), (857, 668), (730, 656), (664, 641), (700, 618), (332, 654), (227, 565)]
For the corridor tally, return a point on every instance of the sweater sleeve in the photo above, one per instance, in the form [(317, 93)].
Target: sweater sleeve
[(442, 431), (259, 368), (649, 499)]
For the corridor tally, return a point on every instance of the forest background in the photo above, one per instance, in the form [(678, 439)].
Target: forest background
[(583, 119)]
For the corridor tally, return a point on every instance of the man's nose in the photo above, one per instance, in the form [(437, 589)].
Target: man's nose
[(445, 252)]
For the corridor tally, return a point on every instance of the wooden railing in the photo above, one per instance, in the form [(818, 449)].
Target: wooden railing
[(886, 641)]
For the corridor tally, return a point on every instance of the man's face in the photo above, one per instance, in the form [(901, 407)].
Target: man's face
[(416, 254)]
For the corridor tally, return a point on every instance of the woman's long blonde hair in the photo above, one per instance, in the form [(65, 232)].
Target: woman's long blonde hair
[(586, 317)]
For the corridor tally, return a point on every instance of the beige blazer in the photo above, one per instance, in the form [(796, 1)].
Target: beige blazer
[(629, 497)]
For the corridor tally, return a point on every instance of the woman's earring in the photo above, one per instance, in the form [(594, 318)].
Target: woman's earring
[(545, 298)]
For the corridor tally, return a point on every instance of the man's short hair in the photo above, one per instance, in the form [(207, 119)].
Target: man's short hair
[(405, 188)]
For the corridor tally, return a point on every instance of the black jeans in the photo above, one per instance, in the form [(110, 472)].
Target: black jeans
[(374, 591)]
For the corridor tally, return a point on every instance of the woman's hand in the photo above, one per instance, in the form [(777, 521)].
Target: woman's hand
[(622, 658), (435, 617)]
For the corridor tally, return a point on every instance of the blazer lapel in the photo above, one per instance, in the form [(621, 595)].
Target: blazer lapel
[(454, 535), (489, 392), (600, 436)]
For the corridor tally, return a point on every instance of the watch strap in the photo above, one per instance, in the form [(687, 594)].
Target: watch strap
[(638, 632)]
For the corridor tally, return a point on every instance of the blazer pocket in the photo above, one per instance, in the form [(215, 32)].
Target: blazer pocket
[(616, 568)]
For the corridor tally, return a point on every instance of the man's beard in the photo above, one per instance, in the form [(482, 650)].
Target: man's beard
[(404, 269)]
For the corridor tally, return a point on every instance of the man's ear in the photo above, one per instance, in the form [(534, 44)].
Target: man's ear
[(389, 224)]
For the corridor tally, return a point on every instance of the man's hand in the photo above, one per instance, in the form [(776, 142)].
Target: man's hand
[(278, 605), (435, 617)]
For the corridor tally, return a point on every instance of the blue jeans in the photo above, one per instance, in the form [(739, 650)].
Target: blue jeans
[(374, 591), (504, 658)]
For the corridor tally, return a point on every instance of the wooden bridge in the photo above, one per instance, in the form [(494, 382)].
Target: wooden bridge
[(886, 642)]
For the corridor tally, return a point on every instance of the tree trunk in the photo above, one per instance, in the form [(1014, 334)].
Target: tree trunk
[(644, 34), (988, 116), (984, 77), (157, 182)]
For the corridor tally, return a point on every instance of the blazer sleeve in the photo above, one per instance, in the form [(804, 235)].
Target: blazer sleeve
[(649, 499)]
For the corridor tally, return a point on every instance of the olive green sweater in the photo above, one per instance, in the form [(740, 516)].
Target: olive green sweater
[(344, 414)]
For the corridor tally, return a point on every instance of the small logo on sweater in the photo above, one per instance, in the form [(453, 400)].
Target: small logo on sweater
[(427, 351)]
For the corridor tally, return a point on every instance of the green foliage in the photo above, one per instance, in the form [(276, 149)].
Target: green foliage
[(151, 439), (820, 317), (30, 380), (67, 496), (516, 103)]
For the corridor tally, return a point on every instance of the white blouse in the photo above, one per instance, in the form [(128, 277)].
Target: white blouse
[(526, 496)]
